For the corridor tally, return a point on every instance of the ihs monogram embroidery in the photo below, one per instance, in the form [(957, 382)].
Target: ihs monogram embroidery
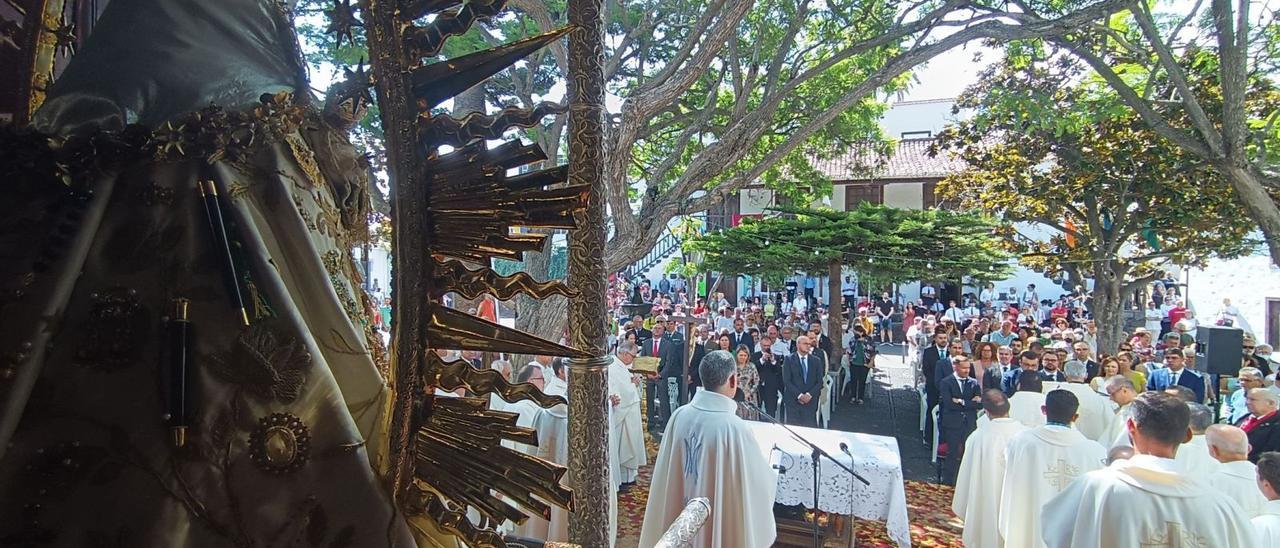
[(1173, 536), (1061, 474)]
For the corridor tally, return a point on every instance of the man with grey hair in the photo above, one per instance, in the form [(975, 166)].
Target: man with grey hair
[(1122, 392), (1262, 424), (627, 433), (1236, 477), (1095, 411), (708, 451), (1194, 455), (1235, 410)]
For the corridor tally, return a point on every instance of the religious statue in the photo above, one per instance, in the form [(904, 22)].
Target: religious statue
[(186, 354)]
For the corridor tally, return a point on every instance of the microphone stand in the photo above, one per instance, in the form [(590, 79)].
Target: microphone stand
[(816, 455)]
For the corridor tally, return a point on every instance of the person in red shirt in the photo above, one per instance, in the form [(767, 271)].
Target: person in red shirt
[(1177, 313)]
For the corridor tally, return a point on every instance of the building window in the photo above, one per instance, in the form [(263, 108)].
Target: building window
[(856, 194)]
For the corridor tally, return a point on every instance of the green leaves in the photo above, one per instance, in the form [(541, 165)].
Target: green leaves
[(1050, 147), (879, 241)]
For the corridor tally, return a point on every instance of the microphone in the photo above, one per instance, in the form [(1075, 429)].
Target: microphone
[(779, 466), (845, 447)]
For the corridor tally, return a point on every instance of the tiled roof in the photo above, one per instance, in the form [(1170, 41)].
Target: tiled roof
[(910, 160)]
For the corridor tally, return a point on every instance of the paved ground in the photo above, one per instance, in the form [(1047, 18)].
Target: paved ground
[(892, 408)]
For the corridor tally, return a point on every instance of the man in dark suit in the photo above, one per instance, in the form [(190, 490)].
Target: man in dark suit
[(740, 336), (1028, 361), (1050, 368), (1263, 423), (802, 376), (770, 368), (637, 327), (945, 368), (824, 342), (961, 397), (669, 353), (1175, 372), (1080, 351), (928, 363)]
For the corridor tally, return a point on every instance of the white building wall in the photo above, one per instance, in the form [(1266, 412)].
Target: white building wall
[(904, 195), (753, 201), (916, 116), (837, 197), (1247, 281)]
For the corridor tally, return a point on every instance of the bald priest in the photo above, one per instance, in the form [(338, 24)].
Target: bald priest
[(708, 451)]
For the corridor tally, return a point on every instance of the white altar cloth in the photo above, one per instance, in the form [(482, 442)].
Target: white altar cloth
[(875, 458)]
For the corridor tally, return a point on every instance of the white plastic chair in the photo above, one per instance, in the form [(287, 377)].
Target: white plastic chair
[(924, 402)]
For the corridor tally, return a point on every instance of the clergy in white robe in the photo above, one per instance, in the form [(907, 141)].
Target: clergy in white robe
[(1025, 404), (1267, 524), (1236, 477), (1194, 455), (708, 451), (1041, 462), (979, 482), (1095, 409), (627, 426), (1122, 392), (1149, 499), (553, 445)]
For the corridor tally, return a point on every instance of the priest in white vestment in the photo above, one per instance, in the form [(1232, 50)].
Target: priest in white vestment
[(1095, 409), (1041, 462), (1267, 524), (1149, 499), (1194, 455), (1025, 405), (553, 445), (626, 410), (1122, 392), (980, 480), (708, 451), (1236, 477)]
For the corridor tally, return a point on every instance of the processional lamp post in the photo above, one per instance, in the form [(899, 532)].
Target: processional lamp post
[(588, 379)]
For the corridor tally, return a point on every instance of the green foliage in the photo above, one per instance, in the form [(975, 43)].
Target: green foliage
[(1049, 146), (879, 242)]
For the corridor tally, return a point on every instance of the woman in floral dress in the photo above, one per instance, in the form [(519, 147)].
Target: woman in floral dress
[(748, 382)]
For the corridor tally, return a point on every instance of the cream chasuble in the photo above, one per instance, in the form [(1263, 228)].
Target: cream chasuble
[(979, 483), (1116, 434), (1041, 462), (708, 451), (553, 445), (626, 425), (1267, 524), (1095, 409), (1194, 457), (1144, 501), (1238, 480), (1024, 407)]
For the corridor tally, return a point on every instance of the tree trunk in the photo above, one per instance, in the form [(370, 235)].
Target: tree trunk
[(1259, 204), (1108, 314), (835, 312)]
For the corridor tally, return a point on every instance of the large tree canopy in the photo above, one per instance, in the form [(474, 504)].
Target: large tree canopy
[(1049, 152), (879, 241)]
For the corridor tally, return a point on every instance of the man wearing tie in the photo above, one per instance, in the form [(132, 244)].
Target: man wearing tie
[(740, 337), (1175, 373), (803, 373), (928, 362), (958, 417), (661, 347)]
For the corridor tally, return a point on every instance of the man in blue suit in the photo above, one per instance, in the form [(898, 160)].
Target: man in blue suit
[(1175, 372)]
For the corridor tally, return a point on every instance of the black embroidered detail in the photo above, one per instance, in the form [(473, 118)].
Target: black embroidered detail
[(267, 360), (114, 334)]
